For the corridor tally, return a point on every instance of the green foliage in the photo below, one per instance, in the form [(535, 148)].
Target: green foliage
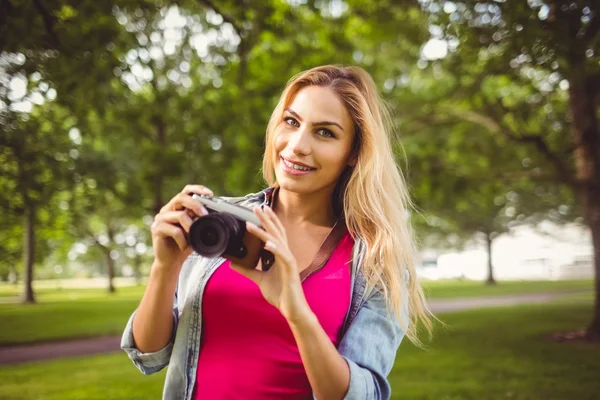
[(140, 98)]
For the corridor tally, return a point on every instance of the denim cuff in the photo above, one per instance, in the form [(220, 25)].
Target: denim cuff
[(358, 382)]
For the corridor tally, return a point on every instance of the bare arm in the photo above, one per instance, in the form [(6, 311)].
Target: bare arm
[(153, 321), (327, 371)]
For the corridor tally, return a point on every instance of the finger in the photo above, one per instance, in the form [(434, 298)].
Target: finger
[(281, 254), (177, 217), (164, 229), (198, 189), (183, 201), (176, 203), (258, 232), (266, 222), (268, 211), (252, 274)]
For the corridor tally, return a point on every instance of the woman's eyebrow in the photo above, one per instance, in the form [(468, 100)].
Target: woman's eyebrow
[(320, 123)]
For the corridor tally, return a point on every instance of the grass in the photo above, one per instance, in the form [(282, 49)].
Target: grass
[(503, 354), (488, 354), (464, 288), (68, 314), (91, 378), (72, 313)]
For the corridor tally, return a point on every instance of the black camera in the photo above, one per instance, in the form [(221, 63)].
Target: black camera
[(222, 233)]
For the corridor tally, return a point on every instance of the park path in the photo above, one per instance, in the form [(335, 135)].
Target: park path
[(16, 354)]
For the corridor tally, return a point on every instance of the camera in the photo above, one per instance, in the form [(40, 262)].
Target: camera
[(222, 233)]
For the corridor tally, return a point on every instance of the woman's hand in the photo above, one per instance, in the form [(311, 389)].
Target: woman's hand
[(171, 225), (280, 285)]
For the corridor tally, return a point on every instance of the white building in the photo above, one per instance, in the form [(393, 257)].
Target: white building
[(548, 252)]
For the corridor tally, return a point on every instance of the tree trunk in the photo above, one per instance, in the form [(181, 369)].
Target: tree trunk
[(584, 129), (593, 331), (109, 263), (29, 253), (488, 241)]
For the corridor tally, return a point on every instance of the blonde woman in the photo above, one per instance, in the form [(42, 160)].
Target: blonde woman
[(326, 320)]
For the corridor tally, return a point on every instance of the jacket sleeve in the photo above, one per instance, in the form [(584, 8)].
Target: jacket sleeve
[(149, 363), (369, 347)]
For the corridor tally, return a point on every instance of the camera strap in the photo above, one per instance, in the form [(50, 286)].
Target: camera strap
[(327, 247)]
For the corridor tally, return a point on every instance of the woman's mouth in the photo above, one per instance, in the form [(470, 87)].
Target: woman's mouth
[(294, 169)]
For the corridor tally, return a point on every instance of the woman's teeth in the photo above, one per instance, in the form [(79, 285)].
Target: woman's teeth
[(295, 166)]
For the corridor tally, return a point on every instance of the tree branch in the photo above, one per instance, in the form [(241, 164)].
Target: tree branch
[(243, 47), (492, 124), (226, 17), (48, 21)]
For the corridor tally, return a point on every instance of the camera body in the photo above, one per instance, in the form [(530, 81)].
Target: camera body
[(222, 233)]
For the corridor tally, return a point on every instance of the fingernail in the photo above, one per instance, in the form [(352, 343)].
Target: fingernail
[(270, 245)]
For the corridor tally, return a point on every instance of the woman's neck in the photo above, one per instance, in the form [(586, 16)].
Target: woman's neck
[(305, 208)]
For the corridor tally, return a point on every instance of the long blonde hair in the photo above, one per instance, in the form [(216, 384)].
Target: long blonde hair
[(374, 194)]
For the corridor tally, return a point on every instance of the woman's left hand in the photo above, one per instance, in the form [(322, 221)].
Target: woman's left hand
[(280, 285)]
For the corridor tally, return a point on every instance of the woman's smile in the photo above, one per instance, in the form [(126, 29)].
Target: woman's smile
[(293, 168)]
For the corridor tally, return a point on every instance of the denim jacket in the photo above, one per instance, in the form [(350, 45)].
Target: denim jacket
[(370, 335)]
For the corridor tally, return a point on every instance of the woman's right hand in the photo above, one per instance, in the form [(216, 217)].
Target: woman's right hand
[(171, 225)]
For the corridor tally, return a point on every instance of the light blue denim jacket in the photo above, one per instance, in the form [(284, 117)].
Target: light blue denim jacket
[(371, 335)]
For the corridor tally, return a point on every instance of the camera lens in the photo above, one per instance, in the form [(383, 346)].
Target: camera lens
[(209, 236)]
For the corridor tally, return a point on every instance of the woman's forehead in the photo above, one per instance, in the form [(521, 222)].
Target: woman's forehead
[(317, 103)]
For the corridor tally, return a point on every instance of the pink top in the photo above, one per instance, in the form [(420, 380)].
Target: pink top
[(247, 349)]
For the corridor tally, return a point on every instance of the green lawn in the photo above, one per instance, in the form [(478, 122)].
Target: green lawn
[(71, 313), (68, 314), (457, 288), (485, 354), (503, 354)]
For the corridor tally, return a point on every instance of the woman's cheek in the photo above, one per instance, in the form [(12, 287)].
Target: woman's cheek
[(278, 141)]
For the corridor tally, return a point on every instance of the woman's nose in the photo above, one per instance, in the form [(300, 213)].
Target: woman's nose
[(300, 141)]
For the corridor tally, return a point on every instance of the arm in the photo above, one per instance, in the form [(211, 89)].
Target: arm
[(148, 336), (152, 326), (327, 371), (151, 353)]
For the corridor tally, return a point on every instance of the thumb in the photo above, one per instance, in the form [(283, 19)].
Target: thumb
[(252, 274)]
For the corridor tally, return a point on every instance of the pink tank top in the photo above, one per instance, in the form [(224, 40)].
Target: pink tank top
[(247, 350)]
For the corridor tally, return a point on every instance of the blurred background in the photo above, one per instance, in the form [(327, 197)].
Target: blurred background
[(109, 108)]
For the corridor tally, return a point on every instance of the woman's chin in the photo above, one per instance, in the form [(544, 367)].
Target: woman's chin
[(288, 182)]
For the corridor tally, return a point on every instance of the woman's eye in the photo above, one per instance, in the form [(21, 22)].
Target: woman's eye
[(325, 133), (291, 121)]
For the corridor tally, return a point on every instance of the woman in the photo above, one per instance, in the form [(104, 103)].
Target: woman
[(327, 318)]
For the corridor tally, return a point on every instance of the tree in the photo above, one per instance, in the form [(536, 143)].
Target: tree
[(44, 52), (548, 45), (34, 170)]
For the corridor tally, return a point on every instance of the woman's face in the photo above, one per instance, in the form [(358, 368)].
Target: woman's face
[(316, 134)]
